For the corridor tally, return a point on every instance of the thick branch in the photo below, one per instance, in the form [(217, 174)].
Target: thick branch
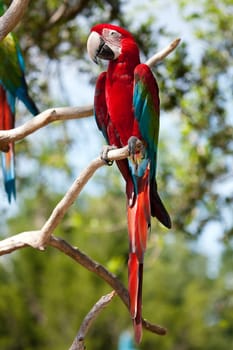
[(12, 17), (91, 265), (103, 273), (69, 198), (30, 239), (38, 239), (42, 119), (72, 194), (21, 240)]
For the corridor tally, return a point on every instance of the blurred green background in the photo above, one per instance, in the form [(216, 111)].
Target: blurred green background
[(188, 283)]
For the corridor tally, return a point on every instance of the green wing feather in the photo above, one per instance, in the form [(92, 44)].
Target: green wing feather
[(146, 110), (11, 68)]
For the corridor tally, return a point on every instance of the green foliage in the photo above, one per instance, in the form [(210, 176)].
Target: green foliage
[(201, 90), (44, 296)]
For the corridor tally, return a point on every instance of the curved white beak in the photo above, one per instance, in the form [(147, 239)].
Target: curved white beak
[(93, 44), (98, 47)]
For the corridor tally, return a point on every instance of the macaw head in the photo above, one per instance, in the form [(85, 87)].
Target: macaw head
[(108, 42)]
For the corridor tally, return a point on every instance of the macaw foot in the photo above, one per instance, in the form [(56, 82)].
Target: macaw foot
[(136, 147), (104, 154)]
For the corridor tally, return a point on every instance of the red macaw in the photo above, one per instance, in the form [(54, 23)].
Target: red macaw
[(12, 86), (126, 108)]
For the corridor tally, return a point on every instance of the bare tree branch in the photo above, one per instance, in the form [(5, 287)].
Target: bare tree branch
[(42, 119), (78, 343), (69, 198), (18, 241), (40, 238), (65, 113), (12, 17), (91, 265), (163, 53), (27, 239), (104, 274)]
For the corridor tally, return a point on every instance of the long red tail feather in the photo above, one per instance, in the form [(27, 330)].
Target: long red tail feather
[(138, 224)]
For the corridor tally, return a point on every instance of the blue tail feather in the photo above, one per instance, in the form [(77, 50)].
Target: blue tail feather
[(9, 175), (9, 186), (22, 94)]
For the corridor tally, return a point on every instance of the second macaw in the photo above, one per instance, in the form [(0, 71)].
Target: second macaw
[(127, 112), (12, 86)]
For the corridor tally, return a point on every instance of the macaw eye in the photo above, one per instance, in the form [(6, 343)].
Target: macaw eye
[(113, 33), (111, 36)]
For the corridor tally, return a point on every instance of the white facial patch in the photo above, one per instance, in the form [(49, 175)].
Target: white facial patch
[(113, 40)]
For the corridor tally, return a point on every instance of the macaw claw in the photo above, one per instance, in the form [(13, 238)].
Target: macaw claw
[(104, 154), (135, 145)]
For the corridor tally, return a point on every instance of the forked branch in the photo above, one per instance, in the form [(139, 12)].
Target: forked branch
[(41, 238), (104, 274)]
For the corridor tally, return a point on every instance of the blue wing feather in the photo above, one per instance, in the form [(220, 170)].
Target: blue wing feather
[(11, 102), (20, 57), (22, 90)]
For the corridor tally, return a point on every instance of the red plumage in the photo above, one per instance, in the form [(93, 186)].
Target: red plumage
[(7, 120), (127, 109)]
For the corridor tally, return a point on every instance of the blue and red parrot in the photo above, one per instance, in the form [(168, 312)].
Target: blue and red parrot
[(126, 106), (12, 87)]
